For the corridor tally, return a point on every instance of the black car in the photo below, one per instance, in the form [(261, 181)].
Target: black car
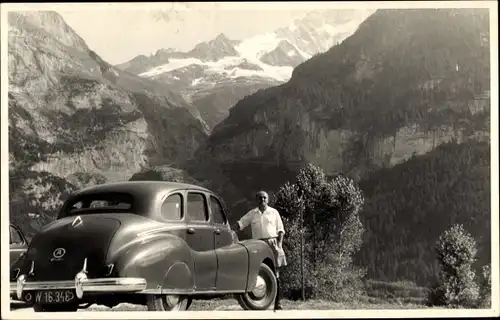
[(159, 244)]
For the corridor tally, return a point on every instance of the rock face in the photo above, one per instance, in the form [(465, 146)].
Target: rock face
[(395, 88), (285, 54), (214, 50), (76, 120)]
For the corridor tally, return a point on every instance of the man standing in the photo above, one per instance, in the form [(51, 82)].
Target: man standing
[(266, 225)]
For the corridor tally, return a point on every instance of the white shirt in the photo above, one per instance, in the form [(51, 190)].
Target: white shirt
[(264, 225)]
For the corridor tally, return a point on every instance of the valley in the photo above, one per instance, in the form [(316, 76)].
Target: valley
[(402, 110)]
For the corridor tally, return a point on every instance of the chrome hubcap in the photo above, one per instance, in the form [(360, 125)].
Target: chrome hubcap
[(172, 300), (260, 288)]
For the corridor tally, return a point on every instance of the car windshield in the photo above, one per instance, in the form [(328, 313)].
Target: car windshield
[(99, 203)]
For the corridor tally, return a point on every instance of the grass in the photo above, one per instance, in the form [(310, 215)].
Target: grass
[(390, 290)]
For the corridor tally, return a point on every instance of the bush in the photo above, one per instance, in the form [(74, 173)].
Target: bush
[(456, 287), (326, 212), (485, 296)]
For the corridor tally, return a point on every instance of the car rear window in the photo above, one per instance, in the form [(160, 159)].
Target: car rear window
[(100, 203)]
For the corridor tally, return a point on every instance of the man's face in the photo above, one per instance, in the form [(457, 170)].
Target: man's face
[(262, 198)]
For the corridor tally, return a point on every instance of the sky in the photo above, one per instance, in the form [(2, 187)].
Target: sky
[(121, 32)]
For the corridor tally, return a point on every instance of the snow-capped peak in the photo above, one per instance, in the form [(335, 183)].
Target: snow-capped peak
[(269, 55)]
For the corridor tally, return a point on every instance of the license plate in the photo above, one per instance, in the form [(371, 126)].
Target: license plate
[(50, 296)]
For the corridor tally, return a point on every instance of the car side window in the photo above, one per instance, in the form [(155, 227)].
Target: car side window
[(196, 207), (171, 208), (15, 237), (217, 212)]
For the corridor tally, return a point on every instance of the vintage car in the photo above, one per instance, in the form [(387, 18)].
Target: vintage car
[(18, 248), (160, 244)]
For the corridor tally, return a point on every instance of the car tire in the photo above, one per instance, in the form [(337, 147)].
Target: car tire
[(261, 298), (165, 302), (55, 307)]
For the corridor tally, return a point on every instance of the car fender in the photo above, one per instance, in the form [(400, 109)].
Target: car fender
[(258, 252), (165, 262)]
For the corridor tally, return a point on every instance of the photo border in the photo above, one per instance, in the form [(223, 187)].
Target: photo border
[(362, 313)]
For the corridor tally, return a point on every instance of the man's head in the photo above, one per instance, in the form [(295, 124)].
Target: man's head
[(262, 198)]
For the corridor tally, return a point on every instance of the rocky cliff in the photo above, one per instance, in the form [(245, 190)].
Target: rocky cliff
[(405, 82), (76, 120)]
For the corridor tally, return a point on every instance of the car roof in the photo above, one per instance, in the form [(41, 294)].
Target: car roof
[(139, 186)]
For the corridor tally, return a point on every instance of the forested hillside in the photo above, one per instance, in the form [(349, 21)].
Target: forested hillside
[(403, 83), (408, 206)]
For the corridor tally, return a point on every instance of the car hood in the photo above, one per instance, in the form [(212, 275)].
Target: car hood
[(60, 248)]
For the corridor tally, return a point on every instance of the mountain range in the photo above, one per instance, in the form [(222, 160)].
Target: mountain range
[(400, 103), (216, 74)]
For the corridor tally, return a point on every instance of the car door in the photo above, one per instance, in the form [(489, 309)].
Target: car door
[(199, 236), (18, 246), (232, 258)]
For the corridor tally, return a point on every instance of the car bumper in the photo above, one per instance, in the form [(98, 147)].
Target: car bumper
[(87, 285), (82, 285), (13, 287)]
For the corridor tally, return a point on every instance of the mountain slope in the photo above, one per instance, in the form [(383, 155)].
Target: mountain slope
[(449, 185), (261, 61), (75, 120), (389, 92), (397, 86)]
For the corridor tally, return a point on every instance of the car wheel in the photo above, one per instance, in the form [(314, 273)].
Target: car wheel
[(264, 293), (55, 307), (168, 302)]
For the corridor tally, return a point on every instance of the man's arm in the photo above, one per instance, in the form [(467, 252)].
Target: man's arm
[(243, 222), (280, 229)]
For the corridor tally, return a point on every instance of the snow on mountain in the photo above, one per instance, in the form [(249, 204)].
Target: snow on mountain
[(315, 33), (223, 67), (227, 66)]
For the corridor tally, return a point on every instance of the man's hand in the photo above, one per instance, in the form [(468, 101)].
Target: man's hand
[(274, 242), (236, 226), (280, 240)]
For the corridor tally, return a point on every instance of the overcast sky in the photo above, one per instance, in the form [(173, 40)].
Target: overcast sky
[(118, 34)]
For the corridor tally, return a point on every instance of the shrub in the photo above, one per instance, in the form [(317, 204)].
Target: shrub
[(456, 287), (485, 295), (326, 212)]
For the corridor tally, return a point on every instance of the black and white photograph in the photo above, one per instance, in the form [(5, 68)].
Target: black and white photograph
[(249, 159)]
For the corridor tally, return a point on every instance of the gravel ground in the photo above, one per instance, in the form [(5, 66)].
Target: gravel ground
[(232, 305), (216, 305)]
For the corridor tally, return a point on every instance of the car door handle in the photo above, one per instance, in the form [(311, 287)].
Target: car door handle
[(217, 231), (191, 230)]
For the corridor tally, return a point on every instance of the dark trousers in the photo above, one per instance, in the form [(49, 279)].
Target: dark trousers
[(278, 296), (277, 304)]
